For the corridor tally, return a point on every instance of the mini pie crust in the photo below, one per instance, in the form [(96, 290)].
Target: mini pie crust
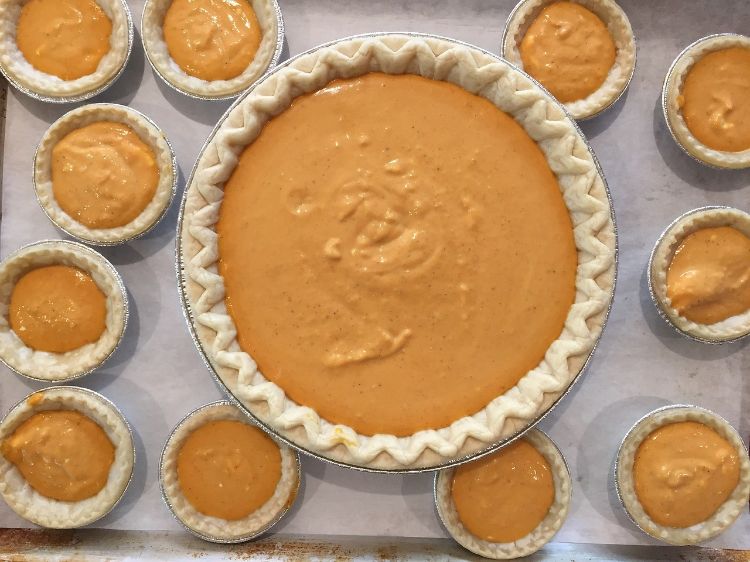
[(269, 18), (537, 538), (584, 193), (49, 87), (147, 131), (215, 529), (618, 25), (705, 217), (673, 84), (39, 509), (57, 367), (722, 518)]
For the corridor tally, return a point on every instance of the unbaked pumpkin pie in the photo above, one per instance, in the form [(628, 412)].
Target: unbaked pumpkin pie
[(66, 457), (64, 50), (212, 48), (509, 503), (416, 260), (700, 273), (105, 173), (583, 52), (66, 310), (225, 479), (707, 100), (683, 474)]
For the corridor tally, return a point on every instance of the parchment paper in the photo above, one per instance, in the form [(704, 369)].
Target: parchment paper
[(157, 376)]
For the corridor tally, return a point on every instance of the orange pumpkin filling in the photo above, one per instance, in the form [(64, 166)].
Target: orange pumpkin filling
[(62, 454), (715, 99), (228, 469), (65, 38), (57, 308), (504, 496), (684, 472), (569, 50), (212, 39), (708, 279), (395, 264)]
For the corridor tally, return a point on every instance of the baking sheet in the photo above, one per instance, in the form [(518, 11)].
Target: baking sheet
[(156, 376)]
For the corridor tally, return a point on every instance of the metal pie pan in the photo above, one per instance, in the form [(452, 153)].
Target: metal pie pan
[(191, 321), (155, 222), (657, 301), (85, 95), (112, 406), (503, 38), (441, 475), (126, 310), (643, 419), (210, 538), (665, 102), (271, 64)]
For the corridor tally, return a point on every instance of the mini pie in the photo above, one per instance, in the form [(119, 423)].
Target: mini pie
[(613, 83), (735, 91), (128, 146), (54, 366), (240, 527), (536, 538), (268, 16), (728, 329), (727, 511), (363, 204), (42, 510), (51, 87)]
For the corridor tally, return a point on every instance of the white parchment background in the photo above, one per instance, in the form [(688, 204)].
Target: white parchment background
[(156, 377)]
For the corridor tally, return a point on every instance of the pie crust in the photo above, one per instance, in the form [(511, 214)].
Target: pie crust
[(618, 25), (148, 132), (727, 330), (215, 529), (39, 509), (673, 88), (57, 367), (537, 538), (47, 87), (269, 51), (584, 192), (722, 518)]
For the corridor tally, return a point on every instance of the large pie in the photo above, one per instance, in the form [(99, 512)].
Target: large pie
[(396, 251)]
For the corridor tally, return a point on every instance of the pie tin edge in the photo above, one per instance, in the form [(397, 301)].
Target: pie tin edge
[(294, 493)]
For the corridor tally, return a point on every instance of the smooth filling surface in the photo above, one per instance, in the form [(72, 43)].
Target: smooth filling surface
[(504, 496), (684, 472), (708, 279), (65, 38), (569, 50), (228, 469), (103, 174), (62, 454), (57, 308), (212, 39), (715, 99), (396, 253)]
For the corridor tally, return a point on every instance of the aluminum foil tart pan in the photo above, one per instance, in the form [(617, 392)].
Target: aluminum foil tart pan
[(147, 131), (62, 367), (47, 512), (12, 61), (722, 518), (538, 537), (214, 529), (726, 331)]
